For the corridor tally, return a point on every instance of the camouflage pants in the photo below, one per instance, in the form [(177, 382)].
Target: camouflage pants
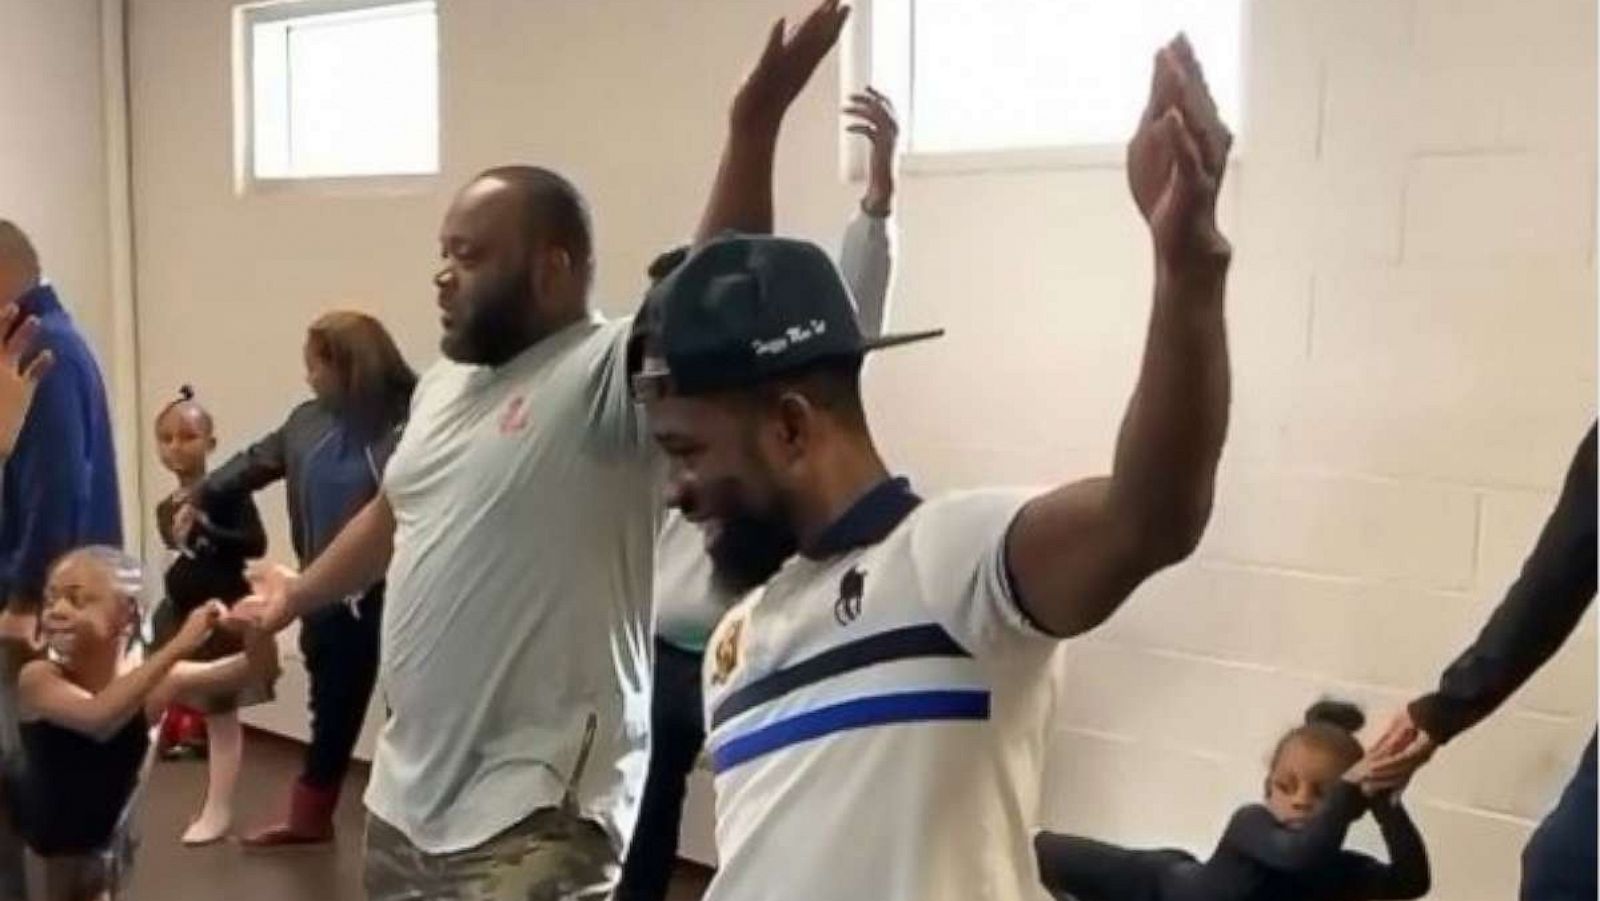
[(550, 856)]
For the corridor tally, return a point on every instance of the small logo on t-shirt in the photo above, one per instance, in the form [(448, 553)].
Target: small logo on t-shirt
[(726, 655), (851, 588), (515, 417)]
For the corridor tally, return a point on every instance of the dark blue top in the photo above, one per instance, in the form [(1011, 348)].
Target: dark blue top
[(61, 481)]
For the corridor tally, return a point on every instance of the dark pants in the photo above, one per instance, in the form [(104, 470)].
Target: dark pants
[(1559, 862), (341, 654), (677, 731), (1074, 868)]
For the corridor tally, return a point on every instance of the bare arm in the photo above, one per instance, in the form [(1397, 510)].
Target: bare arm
[(46, 694), (354, 561), (741, 195), (1076, 553), (866, 256)]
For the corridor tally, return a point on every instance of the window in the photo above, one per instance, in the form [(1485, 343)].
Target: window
[(340, 88), (980, 76)]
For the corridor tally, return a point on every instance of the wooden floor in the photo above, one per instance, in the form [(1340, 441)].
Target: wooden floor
[(165, 870)]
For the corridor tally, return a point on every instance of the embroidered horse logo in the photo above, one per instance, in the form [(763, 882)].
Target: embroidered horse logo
[(851, 589)]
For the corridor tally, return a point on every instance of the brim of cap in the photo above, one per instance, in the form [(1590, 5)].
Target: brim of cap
[(883, 342)]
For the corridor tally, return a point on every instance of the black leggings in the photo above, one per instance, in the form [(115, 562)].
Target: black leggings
[(341, 654), (1081, 869), (675, 739)]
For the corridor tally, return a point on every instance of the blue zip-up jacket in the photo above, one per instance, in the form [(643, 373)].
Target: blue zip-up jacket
[(61, 480)]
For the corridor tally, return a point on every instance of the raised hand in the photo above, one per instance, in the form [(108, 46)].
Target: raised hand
[(786, 64), (1177, 159), (19, 376), (874, 119)]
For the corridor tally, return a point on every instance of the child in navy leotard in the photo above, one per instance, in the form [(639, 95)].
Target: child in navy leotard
[(85, 713), (1289, 848)]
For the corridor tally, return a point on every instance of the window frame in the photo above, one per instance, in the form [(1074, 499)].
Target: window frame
[(856, 69), (246, 181)]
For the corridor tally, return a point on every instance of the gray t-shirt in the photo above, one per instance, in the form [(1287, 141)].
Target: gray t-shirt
[(526, 501)]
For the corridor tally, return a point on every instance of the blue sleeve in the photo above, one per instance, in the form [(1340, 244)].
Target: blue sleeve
[(47, 484)]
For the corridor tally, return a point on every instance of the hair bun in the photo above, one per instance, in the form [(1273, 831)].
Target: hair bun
[(1340, 714), (185, 393)]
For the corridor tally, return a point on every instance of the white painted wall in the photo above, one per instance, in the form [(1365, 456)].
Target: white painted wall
[(1412, 318), (52, 151), (57, 180)]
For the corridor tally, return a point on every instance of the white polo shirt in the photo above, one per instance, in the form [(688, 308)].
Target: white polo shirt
[(518, 606), (877, 717)]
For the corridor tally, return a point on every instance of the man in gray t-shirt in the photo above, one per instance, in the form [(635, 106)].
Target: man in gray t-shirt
[(516, 529)]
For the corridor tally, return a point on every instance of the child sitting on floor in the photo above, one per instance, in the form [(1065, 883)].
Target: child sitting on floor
[(1291, 846), (85, 718)]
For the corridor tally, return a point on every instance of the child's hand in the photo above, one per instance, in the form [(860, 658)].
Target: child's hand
[(197, 628)]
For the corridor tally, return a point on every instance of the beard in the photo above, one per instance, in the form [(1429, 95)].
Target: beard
[(495, 322), (749, 550)]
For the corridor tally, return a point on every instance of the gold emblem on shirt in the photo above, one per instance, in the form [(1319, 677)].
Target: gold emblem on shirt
[(725, 656)]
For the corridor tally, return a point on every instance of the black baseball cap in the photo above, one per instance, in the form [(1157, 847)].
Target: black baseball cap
[(745, 309)]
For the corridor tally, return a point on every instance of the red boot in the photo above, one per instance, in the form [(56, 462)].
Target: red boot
[(310, 819)]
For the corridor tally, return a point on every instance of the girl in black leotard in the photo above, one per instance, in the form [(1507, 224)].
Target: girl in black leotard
[(85, 723), (209, 549), (1289, 848)]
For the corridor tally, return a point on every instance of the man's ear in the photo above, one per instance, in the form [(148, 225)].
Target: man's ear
[(798, 421)]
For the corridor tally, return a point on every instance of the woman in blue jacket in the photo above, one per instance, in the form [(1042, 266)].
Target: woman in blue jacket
[(331, 453)]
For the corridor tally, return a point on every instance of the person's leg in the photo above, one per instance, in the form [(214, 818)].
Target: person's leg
[(13, 863), (676, 735), (553, 855), (225, 738), (393, 869), (341, 657), (1083, 869), (350, 648), (1559, 862)]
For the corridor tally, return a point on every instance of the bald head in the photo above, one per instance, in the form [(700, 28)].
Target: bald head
[(19, 262), (518, 262), (551, 210)]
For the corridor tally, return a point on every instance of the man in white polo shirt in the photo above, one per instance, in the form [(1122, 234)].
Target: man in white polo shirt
[(876, 709), (689, 601), (516, 525)]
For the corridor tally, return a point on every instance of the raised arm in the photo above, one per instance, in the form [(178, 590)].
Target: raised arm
[(866, 258), (1407, 874), (1076, 553), (741, 195)]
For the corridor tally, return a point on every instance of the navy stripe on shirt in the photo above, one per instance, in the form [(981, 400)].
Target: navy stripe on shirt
[(906, 643)]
